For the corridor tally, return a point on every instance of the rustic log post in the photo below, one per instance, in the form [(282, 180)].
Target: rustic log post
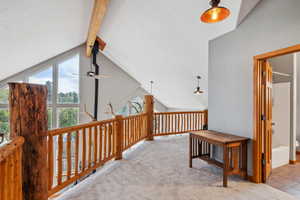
[(28, 118), (149, 110), (119, 133)]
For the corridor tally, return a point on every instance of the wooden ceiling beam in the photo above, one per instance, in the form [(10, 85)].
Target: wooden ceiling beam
[(99, 10)]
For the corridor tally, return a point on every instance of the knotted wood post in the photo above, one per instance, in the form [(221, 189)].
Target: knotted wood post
[(149, 110), (119, 128), (28, 118)]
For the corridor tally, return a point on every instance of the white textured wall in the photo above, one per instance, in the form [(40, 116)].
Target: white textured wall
[(274, 24), (281, 114), (117, 89), (297, 60)]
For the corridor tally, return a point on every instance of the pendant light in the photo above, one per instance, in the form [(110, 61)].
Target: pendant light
[(151, 83), (198, 90), (215, 13)]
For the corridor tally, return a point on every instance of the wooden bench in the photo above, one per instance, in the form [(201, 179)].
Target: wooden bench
[(234, 151)]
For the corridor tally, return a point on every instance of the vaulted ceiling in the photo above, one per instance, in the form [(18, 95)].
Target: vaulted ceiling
[(163, 41)]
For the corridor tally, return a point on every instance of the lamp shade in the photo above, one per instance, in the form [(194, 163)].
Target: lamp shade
[(198, 91), (215, 14)]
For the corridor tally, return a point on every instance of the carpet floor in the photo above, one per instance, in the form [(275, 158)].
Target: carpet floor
[(158, 170)]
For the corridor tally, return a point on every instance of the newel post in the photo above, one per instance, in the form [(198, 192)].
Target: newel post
[(28, 118), (149, 110), (119, 142)]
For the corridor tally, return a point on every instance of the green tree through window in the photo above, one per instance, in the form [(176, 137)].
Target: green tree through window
[(68, 117)]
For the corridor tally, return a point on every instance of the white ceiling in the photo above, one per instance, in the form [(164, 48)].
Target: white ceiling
[(157, 40)]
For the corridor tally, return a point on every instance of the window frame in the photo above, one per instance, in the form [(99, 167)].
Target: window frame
[(54, 64)]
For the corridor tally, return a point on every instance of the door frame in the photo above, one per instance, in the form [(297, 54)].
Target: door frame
[(257, 102)]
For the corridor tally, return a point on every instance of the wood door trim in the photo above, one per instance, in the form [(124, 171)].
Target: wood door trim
[(257, 138)]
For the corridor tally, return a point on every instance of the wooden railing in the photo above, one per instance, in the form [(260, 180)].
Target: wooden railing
[(134, 130), (168, 123), (76, 151), (11, 170)]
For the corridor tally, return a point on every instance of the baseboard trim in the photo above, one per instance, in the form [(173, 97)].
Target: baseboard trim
[(293, 162), (250, 178)]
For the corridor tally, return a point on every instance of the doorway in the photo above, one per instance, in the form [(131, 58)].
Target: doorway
[(262, 113)]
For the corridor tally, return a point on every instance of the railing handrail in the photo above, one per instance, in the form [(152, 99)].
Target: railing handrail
[(180, 112), (9, 148), (133, 116), (77, 127)]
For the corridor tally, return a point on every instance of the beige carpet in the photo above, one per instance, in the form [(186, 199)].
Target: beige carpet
[(159, 170)]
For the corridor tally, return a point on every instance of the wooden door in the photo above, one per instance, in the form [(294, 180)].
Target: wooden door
[(266, 120)]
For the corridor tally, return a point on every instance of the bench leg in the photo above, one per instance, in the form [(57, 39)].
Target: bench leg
[(225, 165), (190, 152), (244, 160)]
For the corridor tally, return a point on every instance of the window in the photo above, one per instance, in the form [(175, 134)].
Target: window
[(61, 79), (134, 106), (67, 117), (4, 95), (68, 81), (45, 78), (4, 114)]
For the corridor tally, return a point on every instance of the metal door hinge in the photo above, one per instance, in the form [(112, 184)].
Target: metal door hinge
[(263, 159)]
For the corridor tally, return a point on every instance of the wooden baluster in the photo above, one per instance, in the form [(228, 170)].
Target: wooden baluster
[(196, 121), (19, 172), (90, 148), (69, 161), (2, 178), (134, 128), (95, 144), (109, 140), (60, 159), (162, 123), (76, 152), (127, 132), (100, 143), (114, 137), (50, 162), (190, 121), (83, 149), (184, 121), (131, 131), (171, 123), (105, 142), (168, 123), (201, 121), (10, 178), (6, 177)]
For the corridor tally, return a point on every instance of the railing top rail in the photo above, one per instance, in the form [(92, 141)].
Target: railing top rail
[(78, 127), (134, 116), (180, 112), (10, 147)]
